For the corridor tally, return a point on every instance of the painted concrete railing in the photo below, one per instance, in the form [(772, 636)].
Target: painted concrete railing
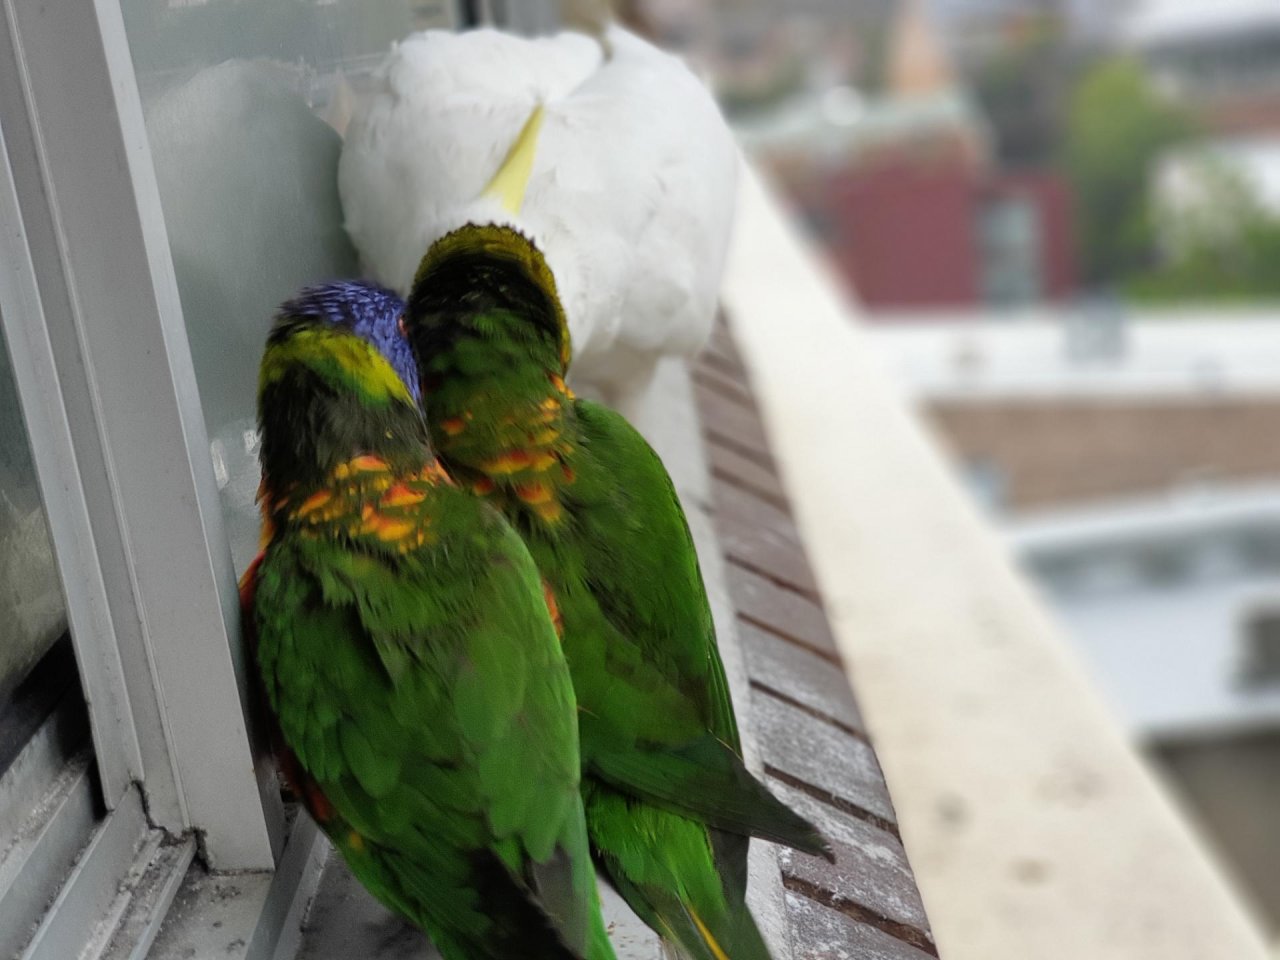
[(1033, 827)]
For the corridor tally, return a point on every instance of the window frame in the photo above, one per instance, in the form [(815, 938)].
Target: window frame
[(106, 383), (108, 391)]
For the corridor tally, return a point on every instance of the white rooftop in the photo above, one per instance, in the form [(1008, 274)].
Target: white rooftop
[(1186, 177), (841, 121), (1063, 353), (1154, 593), (1158, 22)]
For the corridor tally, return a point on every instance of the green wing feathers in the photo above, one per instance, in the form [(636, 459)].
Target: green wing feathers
[(707, 782), (669, 804), (672, 881), (644, 575), (426, 697), (644, 568)]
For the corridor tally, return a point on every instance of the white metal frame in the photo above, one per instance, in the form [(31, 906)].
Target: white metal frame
[(104, 371), (90, 311)]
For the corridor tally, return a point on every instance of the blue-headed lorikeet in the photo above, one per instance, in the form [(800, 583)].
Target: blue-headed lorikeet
[(410, 666)]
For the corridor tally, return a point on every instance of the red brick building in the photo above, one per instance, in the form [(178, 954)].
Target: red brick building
[(903, 194), (910, 233)]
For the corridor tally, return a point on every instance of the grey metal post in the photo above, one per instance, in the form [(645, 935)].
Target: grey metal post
[(529, 16), (518, 16)]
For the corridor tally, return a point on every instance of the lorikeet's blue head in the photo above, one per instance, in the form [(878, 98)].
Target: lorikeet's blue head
[(337, 382), (371, 312)]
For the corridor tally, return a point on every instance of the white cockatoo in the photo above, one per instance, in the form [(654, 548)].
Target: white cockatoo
[(630, 197)]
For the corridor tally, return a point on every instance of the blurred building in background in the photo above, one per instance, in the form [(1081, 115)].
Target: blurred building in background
[(1218, 190), (1070, 409), (1063, 220), (1128, 456), (1222, 58), (910, 151), (1175, 601)]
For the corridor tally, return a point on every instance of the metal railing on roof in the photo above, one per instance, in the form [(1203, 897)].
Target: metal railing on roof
[(519, 16)]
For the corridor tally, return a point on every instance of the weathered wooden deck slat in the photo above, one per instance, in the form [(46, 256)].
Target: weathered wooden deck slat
[(734, 423), (771, 555), (722, 351), (871, 866), (830, 762), (781, 610), (732, 468), (821, 933), (738, 507), (729, 387), (802, 677), (811, 736)]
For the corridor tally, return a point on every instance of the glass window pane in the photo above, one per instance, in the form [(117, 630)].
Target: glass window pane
[(45, 755), (244, 103), (44, 728), (32, 613)]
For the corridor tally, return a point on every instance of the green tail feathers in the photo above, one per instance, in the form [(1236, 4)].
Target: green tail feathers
[(731, 936), (715, 932), (665, 866), (708, 782)]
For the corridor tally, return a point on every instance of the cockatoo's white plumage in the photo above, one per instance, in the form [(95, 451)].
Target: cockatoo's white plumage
[(631, 196)]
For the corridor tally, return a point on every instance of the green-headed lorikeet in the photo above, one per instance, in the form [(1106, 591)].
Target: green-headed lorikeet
[(669, 802)]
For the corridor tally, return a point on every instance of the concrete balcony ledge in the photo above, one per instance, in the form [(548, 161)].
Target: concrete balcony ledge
[(1034, 828)]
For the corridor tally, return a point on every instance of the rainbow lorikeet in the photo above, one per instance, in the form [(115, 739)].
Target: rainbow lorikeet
[(410, 666), (669, 803)]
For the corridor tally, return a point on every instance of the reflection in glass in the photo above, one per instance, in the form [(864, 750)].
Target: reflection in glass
[(32, 613), (244, 105)]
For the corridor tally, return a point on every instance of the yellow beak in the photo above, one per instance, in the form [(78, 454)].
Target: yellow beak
[(512, 179)]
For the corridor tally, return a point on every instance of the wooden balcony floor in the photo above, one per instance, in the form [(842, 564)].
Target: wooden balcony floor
[(813, 743)]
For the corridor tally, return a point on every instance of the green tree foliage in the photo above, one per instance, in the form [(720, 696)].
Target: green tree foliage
[(1117, 125), (1022, 89), (1221, 244)]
